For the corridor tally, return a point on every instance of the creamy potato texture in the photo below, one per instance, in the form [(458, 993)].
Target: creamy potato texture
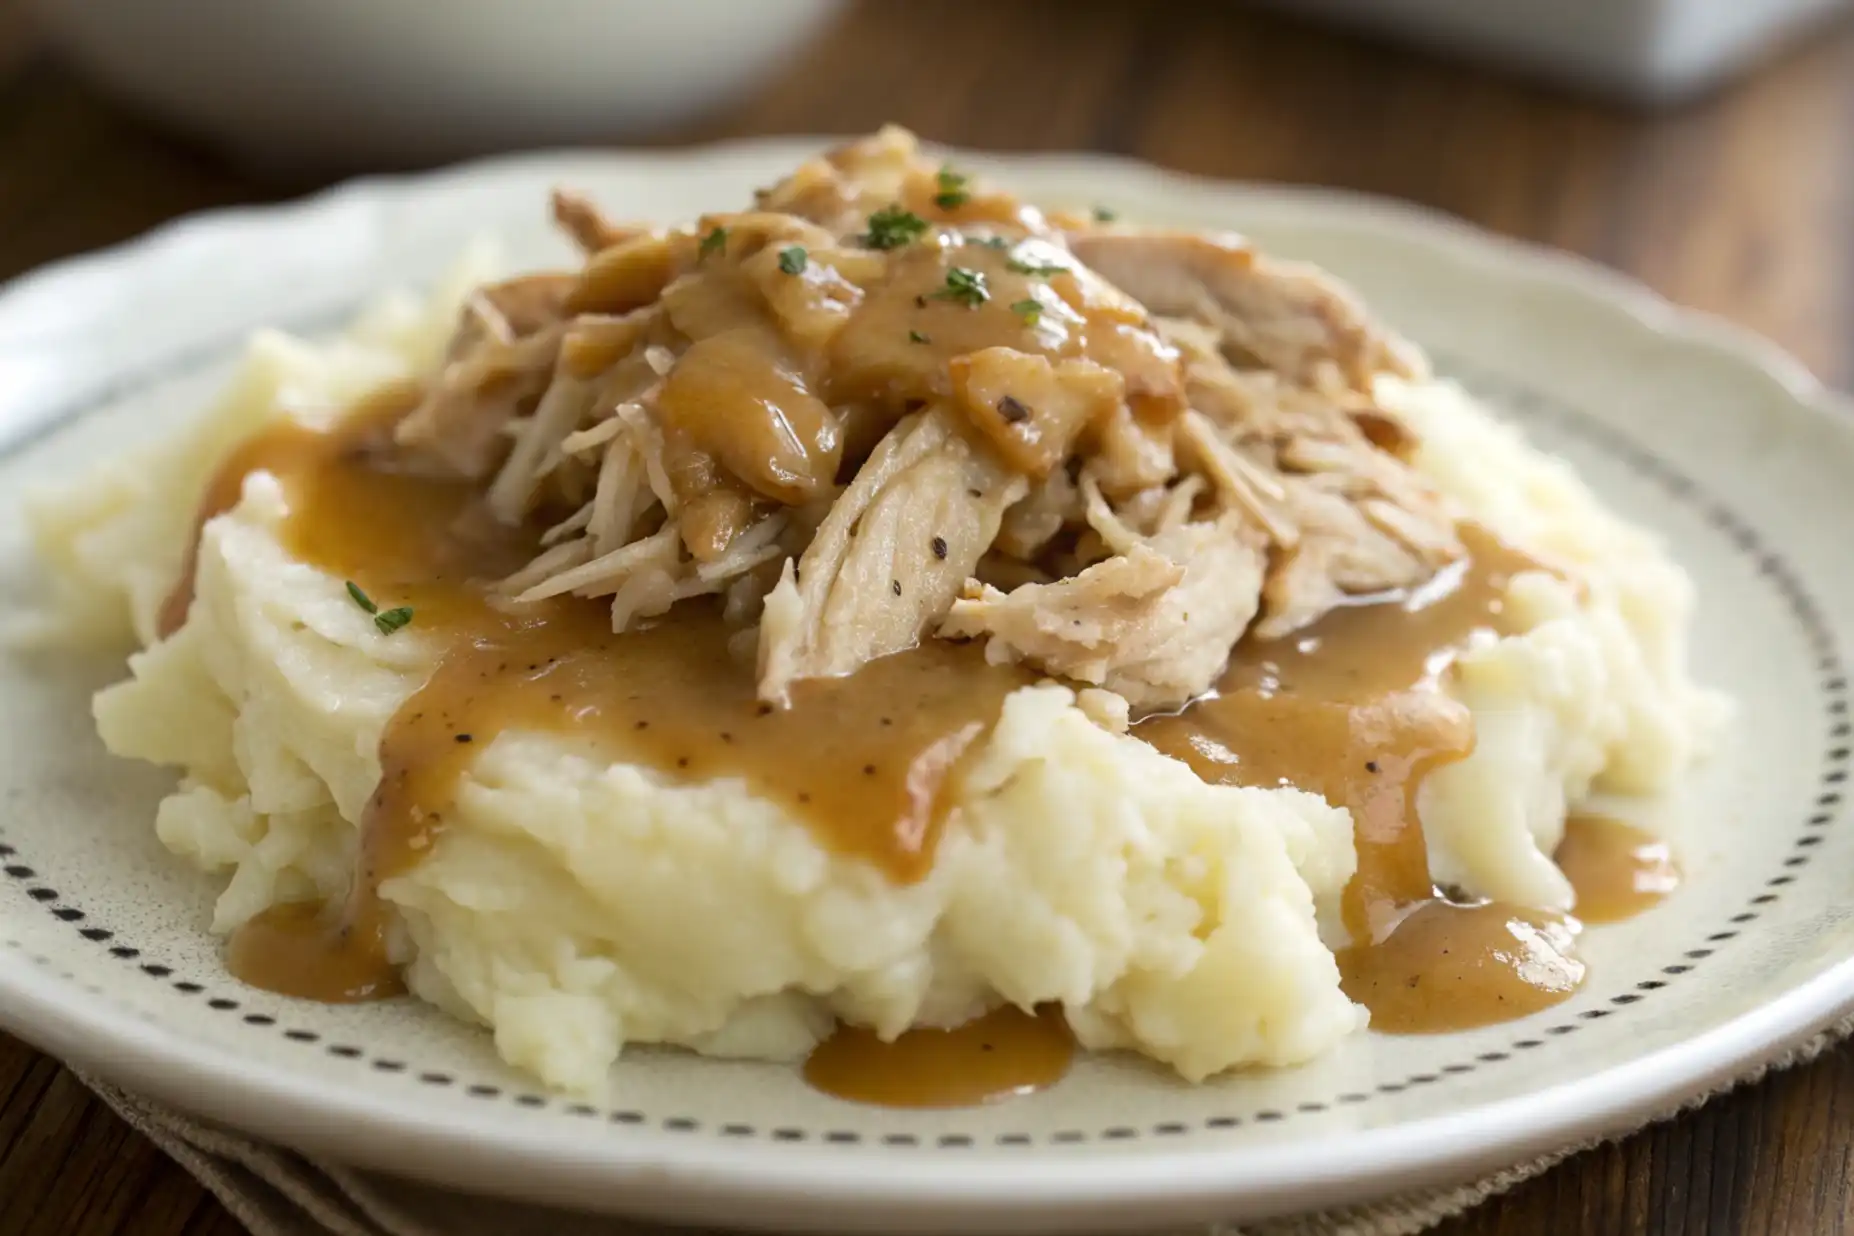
[(574, 904)]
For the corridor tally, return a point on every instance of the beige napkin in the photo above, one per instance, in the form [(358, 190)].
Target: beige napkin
[(280, 1193)]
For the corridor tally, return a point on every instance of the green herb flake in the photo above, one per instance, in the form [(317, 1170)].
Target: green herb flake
[(994, 242), (714, 242), (952, 192), (393, 619), (1036, 269), (1104, 215), (792, 260), (915, 336), (966, 287), (892, 227), (1028, 310), (362, 599)]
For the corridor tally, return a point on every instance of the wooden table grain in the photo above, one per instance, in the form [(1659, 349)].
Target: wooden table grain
[(1742, 205)]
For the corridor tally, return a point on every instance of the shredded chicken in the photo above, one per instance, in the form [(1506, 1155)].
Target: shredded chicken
[(1344, 516), (1289, 317), (890, 557), (889, 403), (1052, 505), (491, 377), (589, 228), (842, 188), (1154, 624)]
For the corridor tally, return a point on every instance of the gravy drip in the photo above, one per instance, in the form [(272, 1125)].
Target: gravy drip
[(1448, 965), (1000, 1055), (1351, 708), (1617, 870), (862, 759)]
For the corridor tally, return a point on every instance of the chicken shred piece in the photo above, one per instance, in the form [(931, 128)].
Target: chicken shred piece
[(1345, 517), (1030, 410), (587, 225), (1290, 317), (1154, 625), (1052, 504), (889, 559), (500, 361)]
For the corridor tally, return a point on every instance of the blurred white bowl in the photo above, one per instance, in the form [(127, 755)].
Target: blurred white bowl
[(1654, 51), (370, 82)]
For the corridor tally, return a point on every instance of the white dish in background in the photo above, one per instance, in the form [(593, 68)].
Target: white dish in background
[(1682, 423), (1652, 50), (359, 83)]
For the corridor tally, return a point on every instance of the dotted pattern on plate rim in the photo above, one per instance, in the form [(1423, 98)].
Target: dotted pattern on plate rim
[(1506, 392)]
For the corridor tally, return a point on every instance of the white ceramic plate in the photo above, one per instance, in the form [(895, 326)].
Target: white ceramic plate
[(1683, 423)]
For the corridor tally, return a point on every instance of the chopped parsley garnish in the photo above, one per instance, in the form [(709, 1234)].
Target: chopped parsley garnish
[(392, 619), (994, 242), (1038, 270), (892, 227), (915, 336), (714, 242), (388, 621), (792, 260), (1028, 310), (1103, 215), (952, 190), (964, 286)]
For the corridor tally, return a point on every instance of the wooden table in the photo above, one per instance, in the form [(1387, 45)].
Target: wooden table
[(1743, 205)]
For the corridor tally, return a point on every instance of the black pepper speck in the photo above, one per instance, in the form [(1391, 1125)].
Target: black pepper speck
[(939, 548)]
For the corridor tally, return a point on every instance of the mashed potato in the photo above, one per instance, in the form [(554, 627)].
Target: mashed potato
[(574, 906), (1595, 694)]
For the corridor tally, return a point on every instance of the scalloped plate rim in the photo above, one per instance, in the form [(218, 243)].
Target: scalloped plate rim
[(809, 1185)]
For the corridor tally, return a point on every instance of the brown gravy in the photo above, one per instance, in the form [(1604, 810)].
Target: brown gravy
[(1447, 965), (862, 759), (1349, 709), (1005, 1053), (332, 954), (1618, 870)]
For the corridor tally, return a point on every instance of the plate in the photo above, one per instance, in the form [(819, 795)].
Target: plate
[(1682, 423)]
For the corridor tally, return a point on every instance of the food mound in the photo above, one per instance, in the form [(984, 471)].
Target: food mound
[(820, 630)]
